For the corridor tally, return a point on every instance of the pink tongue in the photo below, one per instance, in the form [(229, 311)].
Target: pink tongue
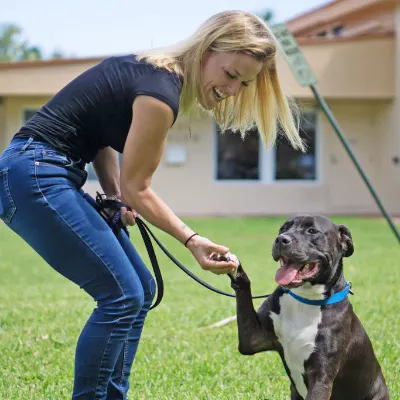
[(285, 275)]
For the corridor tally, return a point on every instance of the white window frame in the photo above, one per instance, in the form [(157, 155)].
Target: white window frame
[(267, 164)]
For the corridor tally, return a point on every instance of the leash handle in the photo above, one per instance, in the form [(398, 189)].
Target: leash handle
[(103, 203), (115, 223)]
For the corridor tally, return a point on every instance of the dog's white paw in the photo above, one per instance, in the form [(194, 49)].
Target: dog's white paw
[(232, 257), (227, 257)]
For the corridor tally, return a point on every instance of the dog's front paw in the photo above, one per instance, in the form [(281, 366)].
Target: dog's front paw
[(227, 257), (239, 279)]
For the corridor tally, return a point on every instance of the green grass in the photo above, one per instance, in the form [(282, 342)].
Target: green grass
[(41, 315)]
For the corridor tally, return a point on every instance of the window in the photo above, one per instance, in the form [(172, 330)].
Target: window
[(246, 159), (90, 170), (295, 165), (238, 158), (28, 114), (338, 30)]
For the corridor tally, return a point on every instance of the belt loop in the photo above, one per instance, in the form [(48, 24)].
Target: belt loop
[(26, 145)]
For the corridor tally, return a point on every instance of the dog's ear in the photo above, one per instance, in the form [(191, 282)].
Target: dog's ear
[(346, 240)]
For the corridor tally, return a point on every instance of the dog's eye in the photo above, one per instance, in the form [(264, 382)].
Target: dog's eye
[(312, 231)]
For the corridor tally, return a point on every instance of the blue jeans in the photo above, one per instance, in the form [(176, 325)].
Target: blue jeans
[(42, 201)]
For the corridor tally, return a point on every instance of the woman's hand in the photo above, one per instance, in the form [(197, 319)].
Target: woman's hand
[(205, 251), (128, 216)]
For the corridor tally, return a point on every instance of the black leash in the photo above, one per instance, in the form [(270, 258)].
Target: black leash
[(114, 221), (140, 223), (110, 210)]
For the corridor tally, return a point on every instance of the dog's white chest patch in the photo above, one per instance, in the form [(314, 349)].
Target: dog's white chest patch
[(296, 328)]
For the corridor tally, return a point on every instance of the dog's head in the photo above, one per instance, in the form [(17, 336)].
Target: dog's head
[(310, 248)]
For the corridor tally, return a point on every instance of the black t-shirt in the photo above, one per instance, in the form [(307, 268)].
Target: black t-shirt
[(95, 109)]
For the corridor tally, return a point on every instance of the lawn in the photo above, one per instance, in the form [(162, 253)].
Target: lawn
[(41, 315)]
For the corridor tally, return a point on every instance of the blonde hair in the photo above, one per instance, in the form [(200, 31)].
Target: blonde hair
[(262, 103)]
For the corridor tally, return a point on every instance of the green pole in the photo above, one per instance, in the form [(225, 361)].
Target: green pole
[(342, 138)]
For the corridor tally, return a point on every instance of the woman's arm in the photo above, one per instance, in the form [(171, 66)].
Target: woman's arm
[(106, 167), (151, 120)]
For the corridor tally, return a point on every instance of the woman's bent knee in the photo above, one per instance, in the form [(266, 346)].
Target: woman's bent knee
[(134, 302), (126, 306)]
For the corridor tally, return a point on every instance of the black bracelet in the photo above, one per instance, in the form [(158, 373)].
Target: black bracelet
[(187, 240)]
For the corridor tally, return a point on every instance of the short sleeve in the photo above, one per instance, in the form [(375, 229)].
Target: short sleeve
[(162, 85)]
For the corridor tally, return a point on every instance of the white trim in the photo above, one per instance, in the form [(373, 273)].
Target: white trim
[(267, 164)]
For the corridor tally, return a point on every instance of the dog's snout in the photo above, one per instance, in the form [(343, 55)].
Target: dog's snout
[(283, 240)]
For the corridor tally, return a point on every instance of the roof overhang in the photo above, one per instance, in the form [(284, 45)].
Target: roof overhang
[(347, 69), (344, 68), (333, 11)]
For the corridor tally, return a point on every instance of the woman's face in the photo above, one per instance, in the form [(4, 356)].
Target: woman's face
[(223, 74)]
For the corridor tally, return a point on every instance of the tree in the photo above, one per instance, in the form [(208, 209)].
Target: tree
[(31, 53), (267, 16), (13, 48), (56, 54)]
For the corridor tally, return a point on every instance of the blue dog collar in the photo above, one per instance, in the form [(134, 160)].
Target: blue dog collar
[(335, 298)]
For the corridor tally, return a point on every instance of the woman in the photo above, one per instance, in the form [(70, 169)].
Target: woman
[(127, 104)]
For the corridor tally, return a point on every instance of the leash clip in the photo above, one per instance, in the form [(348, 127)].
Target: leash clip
[(350, 291)]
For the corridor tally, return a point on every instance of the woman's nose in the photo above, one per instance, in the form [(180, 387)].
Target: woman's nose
[(232, 89)]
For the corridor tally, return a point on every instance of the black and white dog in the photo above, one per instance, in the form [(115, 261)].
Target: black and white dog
[(308, 319)]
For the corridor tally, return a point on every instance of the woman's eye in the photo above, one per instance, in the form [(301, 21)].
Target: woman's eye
[(230, 75), (234, 77)]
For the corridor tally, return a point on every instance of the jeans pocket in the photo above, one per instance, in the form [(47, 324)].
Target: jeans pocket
[(7, 205), (52, 157)]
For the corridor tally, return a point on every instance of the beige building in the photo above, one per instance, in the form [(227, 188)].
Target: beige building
[(353, 48)]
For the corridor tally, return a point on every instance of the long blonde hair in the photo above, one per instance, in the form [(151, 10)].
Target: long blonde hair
[(262, 103)]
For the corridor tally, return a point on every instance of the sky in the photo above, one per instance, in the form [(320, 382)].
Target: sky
[(91, 28)]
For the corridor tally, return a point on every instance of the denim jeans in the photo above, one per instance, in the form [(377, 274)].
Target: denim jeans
[(41, 199)]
